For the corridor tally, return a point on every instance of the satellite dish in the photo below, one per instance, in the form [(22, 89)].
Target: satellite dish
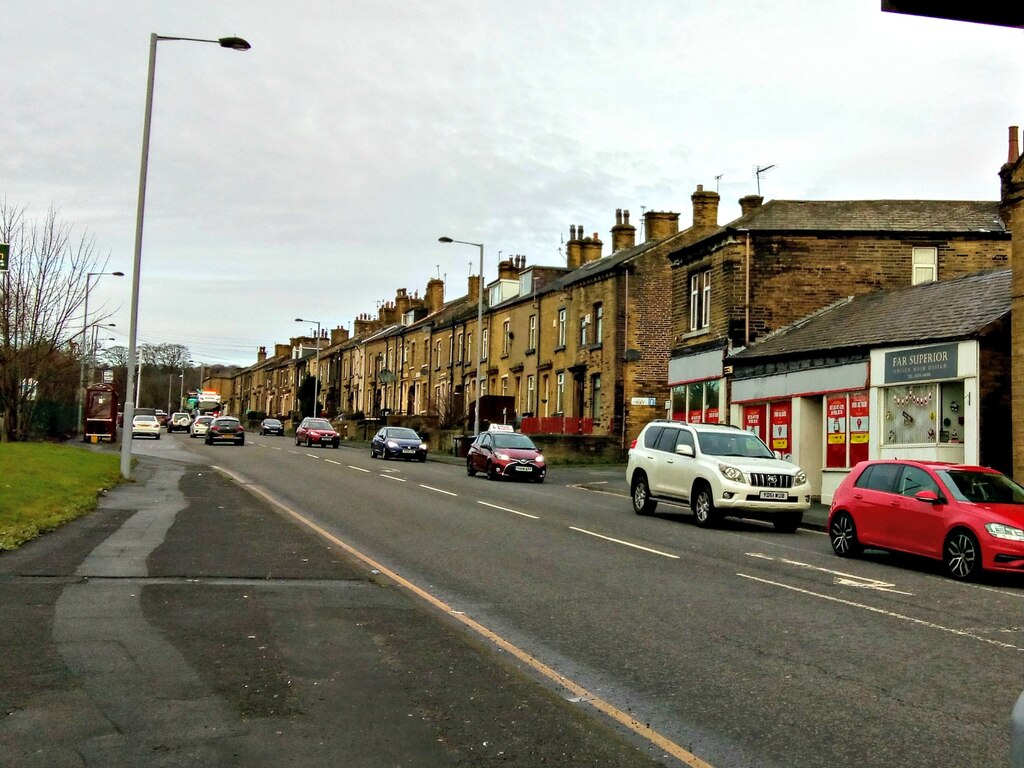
[(630, 355)]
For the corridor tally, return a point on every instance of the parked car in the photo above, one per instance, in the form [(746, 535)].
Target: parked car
[(271, 427), (971, 518), (144, 424), (314, 431), (200, 426), (162, 417), (502, 452), (398, 442), (718, 470), (179, 422), (225, 429)]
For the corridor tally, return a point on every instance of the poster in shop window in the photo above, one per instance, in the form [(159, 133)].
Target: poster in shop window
[(753, 420), (859, 424), (835, 431), (780, 425)]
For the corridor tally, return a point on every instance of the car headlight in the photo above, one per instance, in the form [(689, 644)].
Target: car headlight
[(730, 473), (392, 444), (539, 459), (1001, 531), (423, 446), (502, 457), (800, 478)]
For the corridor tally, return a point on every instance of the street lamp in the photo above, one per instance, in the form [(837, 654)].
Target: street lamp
[(85, 324), (316, 381), (479, 329), (236, 44)]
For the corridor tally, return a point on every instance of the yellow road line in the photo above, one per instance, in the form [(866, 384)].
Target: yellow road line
[(670, 747)]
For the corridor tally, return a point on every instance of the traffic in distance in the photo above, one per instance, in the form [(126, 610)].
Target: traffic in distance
[(969, 518)]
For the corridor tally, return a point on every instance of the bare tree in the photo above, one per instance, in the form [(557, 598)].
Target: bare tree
[(40, 311)]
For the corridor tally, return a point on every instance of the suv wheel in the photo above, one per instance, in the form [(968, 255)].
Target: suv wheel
[(703, 506), (641, 493)]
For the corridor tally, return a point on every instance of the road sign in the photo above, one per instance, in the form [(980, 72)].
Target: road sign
[(5, 254)]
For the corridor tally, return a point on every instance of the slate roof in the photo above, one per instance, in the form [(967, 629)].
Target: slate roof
[(944, 310), (960, 216)]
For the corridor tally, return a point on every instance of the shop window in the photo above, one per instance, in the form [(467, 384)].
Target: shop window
[(846, 429), (698, 402), (922, 414)]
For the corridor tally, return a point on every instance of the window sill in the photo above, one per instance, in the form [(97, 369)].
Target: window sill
[(694, 334)]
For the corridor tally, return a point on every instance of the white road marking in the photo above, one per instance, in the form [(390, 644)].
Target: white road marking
[(624, 543), (506, 509), (359, 469), (392, 477), (843, 579), (332, 461), (312, 456), (882, 611), (431, 488)]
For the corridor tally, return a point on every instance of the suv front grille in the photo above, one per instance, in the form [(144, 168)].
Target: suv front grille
[(767, 480)]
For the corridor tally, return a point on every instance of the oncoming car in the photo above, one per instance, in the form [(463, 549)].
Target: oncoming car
[(271, 427), (969, 517), (313, 431), (502, 452), (398, 443)]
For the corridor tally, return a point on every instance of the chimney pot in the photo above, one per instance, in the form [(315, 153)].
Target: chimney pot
[(1013, 154)]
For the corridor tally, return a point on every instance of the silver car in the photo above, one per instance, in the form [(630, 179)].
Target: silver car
[(147, 425)]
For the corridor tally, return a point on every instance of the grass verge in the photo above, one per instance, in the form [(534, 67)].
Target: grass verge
[(43, 486)]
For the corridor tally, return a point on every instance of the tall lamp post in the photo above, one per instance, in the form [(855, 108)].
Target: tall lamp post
[(234, 43), (85, 324), (316, 381), (479, 329)]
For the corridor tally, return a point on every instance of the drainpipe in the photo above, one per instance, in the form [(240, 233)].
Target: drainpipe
[(746, 300)]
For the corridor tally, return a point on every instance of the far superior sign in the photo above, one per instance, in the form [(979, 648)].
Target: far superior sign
[(935, 362)]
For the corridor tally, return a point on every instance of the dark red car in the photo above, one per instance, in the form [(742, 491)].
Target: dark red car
[(971, 518), (506, 453), (313, 431)]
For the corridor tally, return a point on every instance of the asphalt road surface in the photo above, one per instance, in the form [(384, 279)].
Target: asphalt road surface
[(738, 646)]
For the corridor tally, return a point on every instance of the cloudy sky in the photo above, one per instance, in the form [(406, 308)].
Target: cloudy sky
[(312, 175)]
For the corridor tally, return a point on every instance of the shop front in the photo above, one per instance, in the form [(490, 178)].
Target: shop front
[(928, 399), (698, 388)]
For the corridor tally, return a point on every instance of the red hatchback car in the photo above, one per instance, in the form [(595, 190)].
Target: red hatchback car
[(313, 431), (502, 452), (970, 518)]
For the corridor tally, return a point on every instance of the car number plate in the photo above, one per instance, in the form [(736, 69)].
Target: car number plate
[(774, 495), (408, 450), (522, 468)]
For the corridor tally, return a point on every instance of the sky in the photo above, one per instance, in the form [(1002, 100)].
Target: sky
[(312, 175)]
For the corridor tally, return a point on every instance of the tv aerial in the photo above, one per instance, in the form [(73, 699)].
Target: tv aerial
[(759, 171)]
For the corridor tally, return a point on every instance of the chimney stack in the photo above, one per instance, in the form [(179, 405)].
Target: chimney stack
[(282, 350), (572, 248), (339, 335), (435, 295), (507, 269), (623, 234), (660, 224), (1013, 155), (364, 325), (590, 249), (474, 289), (402, 302), (261, 355), (705, 208), (749, 203)]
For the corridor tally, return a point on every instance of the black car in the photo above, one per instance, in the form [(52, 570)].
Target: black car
[(271, 427), (398, 443), (225, 428)]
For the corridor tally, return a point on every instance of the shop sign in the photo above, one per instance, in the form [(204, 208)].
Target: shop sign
[(711, 416), (643, 401), (780, 423), (835, 431), (859, 426), (922, 364), (754, 419)]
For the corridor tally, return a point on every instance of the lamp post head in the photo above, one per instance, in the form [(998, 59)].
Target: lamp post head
[(445, 240), (117, 274), (234, 43)]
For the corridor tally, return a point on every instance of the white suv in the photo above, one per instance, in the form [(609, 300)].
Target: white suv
[(716, 469)]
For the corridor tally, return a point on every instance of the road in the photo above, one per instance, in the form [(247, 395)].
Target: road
[(744, 646)]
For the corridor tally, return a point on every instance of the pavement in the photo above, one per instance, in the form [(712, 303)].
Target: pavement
[(188, 622)]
